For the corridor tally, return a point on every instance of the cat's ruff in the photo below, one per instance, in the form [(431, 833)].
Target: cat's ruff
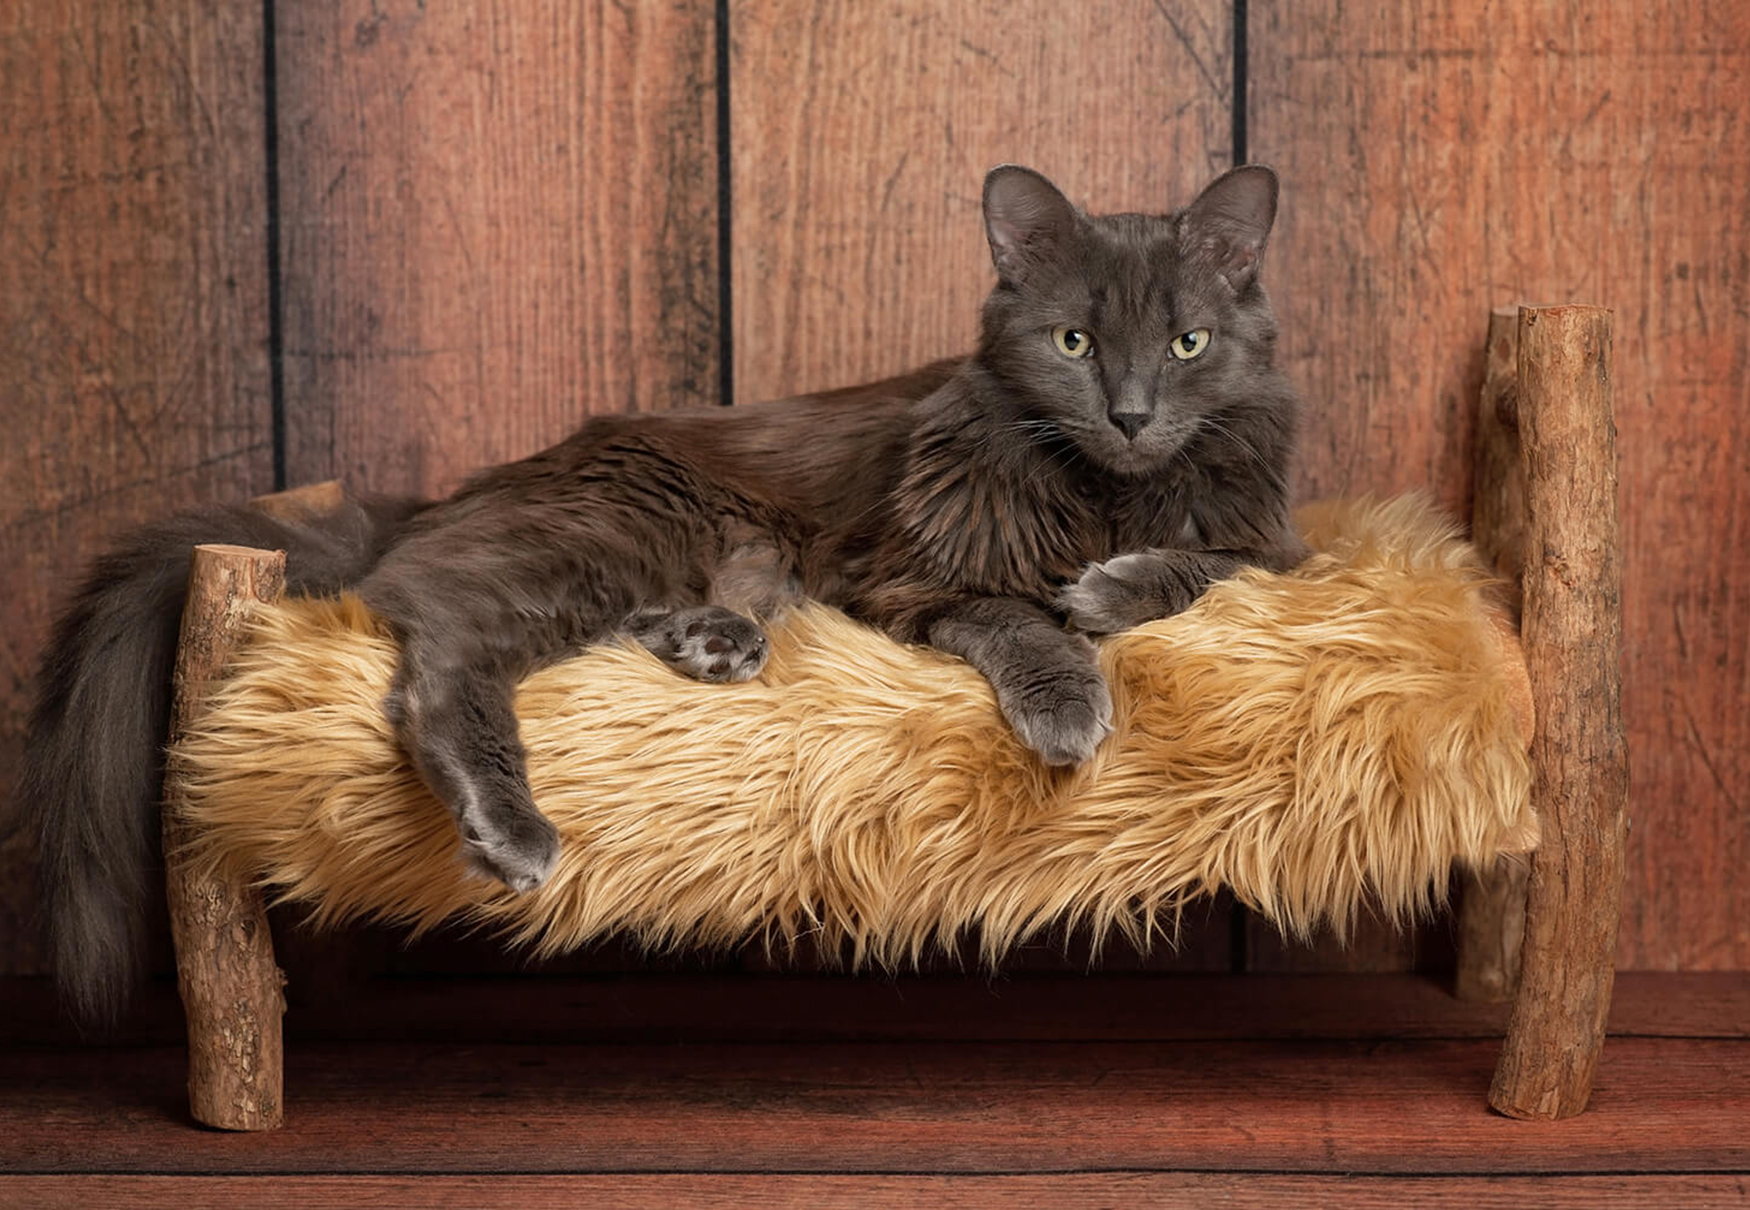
[(1316, 742)]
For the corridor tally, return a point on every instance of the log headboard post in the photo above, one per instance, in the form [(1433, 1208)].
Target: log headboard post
[(1572, 634), (1491, 911)]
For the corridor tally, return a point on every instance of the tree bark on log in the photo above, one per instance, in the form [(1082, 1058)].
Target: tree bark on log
[(231, 988), (1573, 640), (1491, 912), (299, 503)]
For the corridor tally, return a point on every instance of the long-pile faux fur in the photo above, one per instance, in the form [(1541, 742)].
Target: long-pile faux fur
[(1314, 741)]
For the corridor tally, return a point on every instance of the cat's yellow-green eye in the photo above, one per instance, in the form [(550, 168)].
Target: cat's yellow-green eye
[(1187, 345), (1072, 342)]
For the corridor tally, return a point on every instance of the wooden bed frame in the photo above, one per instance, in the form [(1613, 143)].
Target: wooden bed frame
[(1544, 936)]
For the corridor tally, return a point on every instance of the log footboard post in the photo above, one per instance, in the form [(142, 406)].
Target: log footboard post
[(231, 989), (1573, 637), (1491, 910)]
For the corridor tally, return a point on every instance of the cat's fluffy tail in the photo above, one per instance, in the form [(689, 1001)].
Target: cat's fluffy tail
[(93, 755)]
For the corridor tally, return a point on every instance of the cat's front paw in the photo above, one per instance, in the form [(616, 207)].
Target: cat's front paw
[(1062, 716), (1115, 595), (517, 846)]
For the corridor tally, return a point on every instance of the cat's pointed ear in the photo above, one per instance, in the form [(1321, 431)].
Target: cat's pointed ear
[(1026, 218), (1230, 220)]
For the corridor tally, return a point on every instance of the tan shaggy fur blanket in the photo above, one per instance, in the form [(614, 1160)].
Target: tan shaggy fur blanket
[(1314, 741)]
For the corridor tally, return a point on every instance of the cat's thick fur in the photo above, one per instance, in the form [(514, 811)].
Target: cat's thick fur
[(977, 506), (92, 762)]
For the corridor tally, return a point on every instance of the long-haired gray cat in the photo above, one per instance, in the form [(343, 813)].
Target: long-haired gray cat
[(1119, 440)]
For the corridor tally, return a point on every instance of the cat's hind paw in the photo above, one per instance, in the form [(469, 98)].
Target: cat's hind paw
[(707, 643)]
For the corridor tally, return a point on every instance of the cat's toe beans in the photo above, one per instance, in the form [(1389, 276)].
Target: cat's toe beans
[(722, 646)]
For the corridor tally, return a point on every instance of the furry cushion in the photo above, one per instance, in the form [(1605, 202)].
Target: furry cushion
[(1313, 741)]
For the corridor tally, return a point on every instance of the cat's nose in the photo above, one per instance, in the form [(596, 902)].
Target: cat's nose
[(1128, 423)]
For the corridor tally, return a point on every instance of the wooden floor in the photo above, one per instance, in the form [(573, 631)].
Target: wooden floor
[(820, 1092)]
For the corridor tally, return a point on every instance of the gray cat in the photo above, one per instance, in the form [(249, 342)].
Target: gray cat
[(1119, 440)]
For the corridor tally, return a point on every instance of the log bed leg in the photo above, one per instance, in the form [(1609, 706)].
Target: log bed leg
[(231, 989), (1573, 638), (1491, 910)]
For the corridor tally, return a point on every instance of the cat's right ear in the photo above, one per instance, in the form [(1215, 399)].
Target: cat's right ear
[(1026, 218)]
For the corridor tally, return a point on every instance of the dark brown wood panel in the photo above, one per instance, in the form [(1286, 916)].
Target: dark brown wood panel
[(1330, 1107), (1371, 947), (496, 218), (660, 1191), (1440, 161), (860, 139), (721, 1008), (133, 310)]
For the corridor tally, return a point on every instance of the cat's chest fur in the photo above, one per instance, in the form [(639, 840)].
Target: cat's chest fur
[(969, 518), (996, 531)]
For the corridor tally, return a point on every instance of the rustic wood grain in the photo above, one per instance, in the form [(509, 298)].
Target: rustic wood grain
[(497, 218), (224, 953), (1491, 932), (860, 136), (1491, 911), (720, 1008), (1439, 161), (1573, 649), (309, 500), (1372, 946), (133, 312), (1497, 514), (1068, 1190), (1386, 1107)]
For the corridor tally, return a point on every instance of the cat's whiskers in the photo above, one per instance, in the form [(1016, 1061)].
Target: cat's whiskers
[(1239, 441)]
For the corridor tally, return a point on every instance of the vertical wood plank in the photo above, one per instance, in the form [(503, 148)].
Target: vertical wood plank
[(496, 219), (133, 310), (861, 135), (1441, 160)]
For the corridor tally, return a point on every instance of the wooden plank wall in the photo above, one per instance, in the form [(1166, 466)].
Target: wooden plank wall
[(134, 376), (1444, 159), (493, 221), (496, 218)]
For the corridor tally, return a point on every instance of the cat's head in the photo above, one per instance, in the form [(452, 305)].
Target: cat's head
[(1127, 333)]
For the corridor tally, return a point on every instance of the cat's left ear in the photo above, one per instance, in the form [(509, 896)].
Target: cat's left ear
[(1230, 220), (1027, 219)]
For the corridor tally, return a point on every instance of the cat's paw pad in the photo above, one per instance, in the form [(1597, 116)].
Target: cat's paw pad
[(1063, 719), (518, 848), (1115, 595), (711, 643)]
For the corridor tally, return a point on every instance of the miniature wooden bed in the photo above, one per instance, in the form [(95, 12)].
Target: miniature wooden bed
[(1545, 486)]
